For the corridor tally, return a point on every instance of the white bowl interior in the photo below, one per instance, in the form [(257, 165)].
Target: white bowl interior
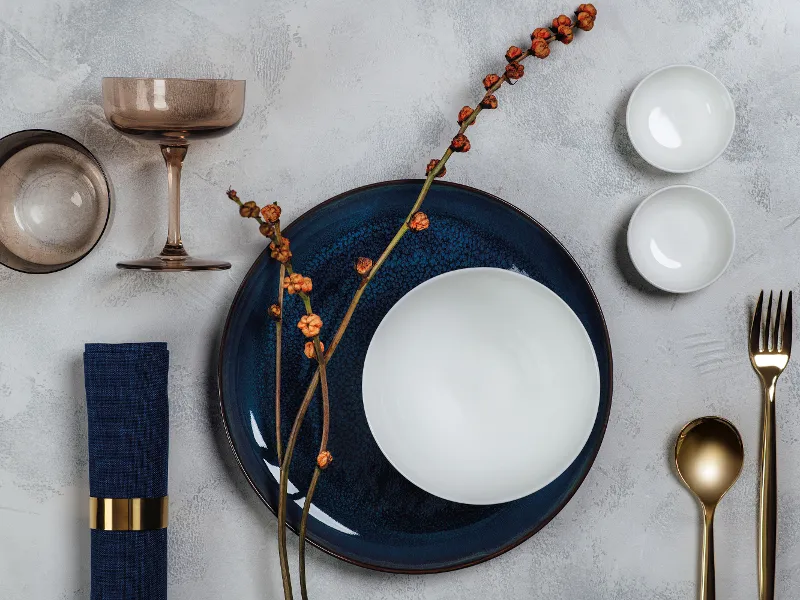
[(680, 118), (481, 386), (681, 239)]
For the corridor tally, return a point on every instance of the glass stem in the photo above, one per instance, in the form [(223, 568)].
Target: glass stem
[(173, 156)]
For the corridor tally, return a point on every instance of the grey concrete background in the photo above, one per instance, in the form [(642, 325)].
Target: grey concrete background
[(345, 93)]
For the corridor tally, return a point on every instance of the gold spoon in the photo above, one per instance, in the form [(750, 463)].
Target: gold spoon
[(709, 457)]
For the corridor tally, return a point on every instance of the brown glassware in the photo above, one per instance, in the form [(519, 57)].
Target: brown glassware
[(54, 201), (173, 112)]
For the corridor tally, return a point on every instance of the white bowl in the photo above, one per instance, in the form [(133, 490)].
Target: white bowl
[(481, 386), (681, 239), (680, 118)]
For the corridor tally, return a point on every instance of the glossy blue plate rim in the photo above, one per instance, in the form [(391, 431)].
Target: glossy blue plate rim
[(513, 543)]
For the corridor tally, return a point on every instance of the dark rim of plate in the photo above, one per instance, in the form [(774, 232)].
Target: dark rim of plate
[(75, 144), (464, 564)]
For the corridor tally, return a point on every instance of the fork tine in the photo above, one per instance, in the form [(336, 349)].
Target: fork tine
[(786, 342), (767, 347), (776, 339), (755, 328)]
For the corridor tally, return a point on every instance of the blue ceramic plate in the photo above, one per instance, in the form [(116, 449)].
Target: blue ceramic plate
[(364, 511)]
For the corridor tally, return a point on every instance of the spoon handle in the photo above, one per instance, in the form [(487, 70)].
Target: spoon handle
[(707, 585), (768, 506)]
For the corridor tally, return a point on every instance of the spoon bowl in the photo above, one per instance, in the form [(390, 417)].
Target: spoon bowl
[(709, 455)]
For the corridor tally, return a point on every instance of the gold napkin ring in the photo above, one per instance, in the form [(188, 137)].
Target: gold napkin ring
[(128, 514)]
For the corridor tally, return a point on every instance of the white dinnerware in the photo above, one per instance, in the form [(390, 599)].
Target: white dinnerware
[(481, 386), (680, 118), (681, 238)]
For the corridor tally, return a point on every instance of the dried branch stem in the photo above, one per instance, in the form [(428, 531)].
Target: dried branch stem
[(284, 482), (323, 446), (303, 524), (345, 322), (278, 347), (320, 375), (334, 344), (285, 460)]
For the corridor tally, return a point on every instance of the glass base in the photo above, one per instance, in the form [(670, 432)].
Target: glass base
[(174, 263)]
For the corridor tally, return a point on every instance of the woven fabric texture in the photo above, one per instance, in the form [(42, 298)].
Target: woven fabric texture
[(128, 410)]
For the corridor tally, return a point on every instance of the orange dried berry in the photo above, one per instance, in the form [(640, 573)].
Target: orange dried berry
[(540, 48), (271, 213), (490, 80), (324, 459), (266, 230), (565, 34), (310, 325), (585, 21), (489, 101), (464, 114), (515, 71), (561, 20), (432, 165), (280, 252), (513, 53), (460, 143), (363, 266), (274, 311), (309, 350), (295, 283), (248, 209), (540, 33), (419, 221), (587, 8)]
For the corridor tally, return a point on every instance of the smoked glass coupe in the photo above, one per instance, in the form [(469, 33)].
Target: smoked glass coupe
[(173, 112)]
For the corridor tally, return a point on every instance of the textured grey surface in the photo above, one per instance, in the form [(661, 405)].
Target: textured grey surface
[(342, 94)]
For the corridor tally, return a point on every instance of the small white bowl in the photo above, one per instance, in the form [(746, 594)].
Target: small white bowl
[(681, 239), (680, 118)]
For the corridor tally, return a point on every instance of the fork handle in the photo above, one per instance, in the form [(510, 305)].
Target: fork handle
[(768, 500)]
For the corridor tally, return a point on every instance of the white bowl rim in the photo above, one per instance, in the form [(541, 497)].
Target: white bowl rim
[(628, 117), (729, 221)]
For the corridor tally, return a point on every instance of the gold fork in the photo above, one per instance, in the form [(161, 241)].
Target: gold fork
[(769, 353)]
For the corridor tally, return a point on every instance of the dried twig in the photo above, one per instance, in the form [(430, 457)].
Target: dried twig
[(416, 221)]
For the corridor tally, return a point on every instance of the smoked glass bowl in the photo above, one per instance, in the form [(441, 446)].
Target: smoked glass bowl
[(173, 113), (54, 201)]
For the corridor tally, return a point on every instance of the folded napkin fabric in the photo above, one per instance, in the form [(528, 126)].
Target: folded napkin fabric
[(128, 410)]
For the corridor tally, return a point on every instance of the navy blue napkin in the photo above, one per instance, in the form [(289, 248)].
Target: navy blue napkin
[(126, 398)]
